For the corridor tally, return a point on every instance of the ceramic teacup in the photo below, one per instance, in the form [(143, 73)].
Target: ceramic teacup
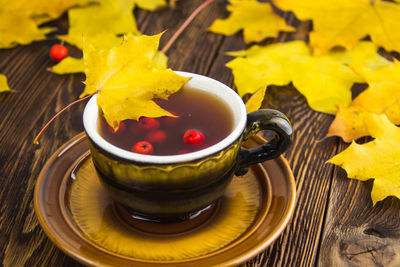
[(176, 186)]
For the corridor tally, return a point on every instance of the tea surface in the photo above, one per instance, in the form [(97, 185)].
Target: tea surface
[(196, 110)]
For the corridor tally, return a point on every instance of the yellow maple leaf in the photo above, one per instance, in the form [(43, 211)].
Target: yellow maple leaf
[(128, 77), (69, 65), (383, 92), (19, 29), (325, 81), (344, 23), (150, 5), (362, 56), (20, 19), (101, 23), (257, 20), (255, 101), (381, 97), (3, 84), (348, 124), (378, 159), (75, 65), (52, 9), (101, 40)]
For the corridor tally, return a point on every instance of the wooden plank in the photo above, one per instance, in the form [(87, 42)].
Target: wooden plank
[(20, 113), (298, 245), (22, 240), (195, 50), (40, 94), (35, 87), (355, 232)]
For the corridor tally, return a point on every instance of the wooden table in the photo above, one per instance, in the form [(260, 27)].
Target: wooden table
[(334, 223)]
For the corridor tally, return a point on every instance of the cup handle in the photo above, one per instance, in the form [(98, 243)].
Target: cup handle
[(264, 119)]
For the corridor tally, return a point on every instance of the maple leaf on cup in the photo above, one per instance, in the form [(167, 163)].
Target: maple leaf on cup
[(128, 77)]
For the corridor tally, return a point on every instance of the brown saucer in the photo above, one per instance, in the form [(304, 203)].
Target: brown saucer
[(80, 218)]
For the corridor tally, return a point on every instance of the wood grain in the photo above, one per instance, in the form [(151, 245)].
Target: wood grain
[(195, 50), (357, 233), (298, 245)]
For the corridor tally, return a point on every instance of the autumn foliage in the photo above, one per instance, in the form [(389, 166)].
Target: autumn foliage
[(324, 71)]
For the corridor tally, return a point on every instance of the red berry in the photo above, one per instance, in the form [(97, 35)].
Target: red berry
[(121, 128), (193, 138), (58, 52), (142, 147), (148, 123), (158, 136)]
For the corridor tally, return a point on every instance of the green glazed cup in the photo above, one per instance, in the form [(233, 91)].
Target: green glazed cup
[(166, 188)]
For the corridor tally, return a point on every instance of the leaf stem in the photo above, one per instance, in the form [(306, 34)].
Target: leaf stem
[(36, 140), (185, 24)]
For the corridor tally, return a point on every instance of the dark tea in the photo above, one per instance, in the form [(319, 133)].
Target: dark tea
[(202, 121)]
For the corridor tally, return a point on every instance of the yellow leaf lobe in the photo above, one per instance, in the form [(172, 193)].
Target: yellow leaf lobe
[(378, 159), (257, 20)]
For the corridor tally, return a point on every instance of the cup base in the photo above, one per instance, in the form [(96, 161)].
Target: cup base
[(173, 224)]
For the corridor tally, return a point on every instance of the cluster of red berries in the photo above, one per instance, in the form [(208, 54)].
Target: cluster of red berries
[(192, 138)]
